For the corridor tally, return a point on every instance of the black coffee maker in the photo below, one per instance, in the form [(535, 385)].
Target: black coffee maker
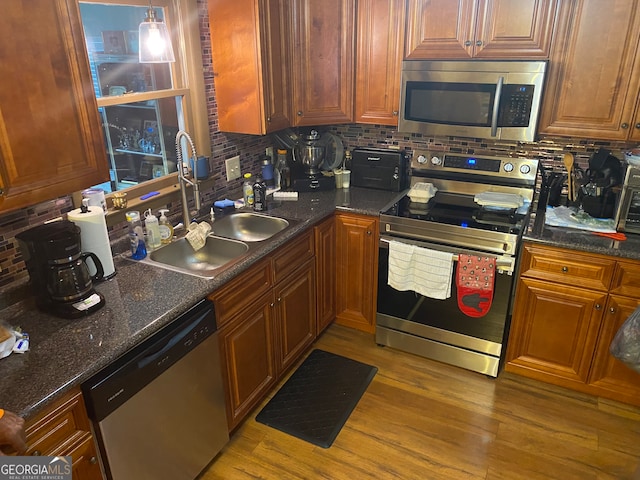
[(57, 267), (599, 190)]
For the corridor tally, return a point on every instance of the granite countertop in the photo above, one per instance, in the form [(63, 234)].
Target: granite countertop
[(140, 300), (580, 240)]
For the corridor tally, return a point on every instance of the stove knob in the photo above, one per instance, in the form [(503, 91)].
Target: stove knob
[(508, 167), (422, 159), (524, 169), (436, 161)]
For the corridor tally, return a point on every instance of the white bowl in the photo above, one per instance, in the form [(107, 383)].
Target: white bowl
[(632, 159)]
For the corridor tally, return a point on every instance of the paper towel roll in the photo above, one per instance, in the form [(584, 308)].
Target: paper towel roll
[(94, 237)]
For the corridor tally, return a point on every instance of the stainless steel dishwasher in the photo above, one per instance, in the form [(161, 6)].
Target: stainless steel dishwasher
[(158, 411)]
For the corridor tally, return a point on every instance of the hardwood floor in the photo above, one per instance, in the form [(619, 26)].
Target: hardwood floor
[(421, 419)]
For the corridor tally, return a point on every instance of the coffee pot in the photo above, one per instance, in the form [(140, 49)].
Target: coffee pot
[(58, 269), (600, 189)]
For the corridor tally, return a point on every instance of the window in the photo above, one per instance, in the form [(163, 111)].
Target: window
[(142, 106)]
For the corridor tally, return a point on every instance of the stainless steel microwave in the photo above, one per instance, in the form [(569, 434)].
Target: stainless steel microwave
[(481, 99)]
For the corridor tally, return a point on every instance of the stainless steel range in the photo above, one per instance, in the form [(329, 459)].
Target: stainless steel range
[(480, 207)]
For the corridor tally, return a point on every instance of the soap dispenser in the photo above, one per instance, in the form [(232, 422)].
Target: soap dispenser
[(153, 230), (166, 229)]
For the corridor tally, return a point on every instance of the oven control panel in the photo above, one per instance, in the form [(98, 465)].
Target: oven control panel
[(521, 169)]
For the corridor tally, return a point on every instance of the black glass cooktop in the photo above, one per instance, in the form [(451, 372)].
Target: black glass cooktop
[(460, 210)]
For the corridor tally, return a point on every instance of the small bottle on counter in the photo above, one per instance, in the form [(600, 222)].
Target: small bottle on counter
[(282, 172), (153, 230), (165, 227), (136, 235), (247, 190), (267, 170), (259, 195)]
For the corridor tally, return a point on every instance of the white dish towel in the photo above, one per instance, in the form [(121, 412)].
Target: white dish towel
[(424, 271)]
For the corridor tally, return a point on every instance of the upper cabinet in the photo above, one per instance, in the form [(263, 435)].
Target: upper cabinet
[(379, 50), (463, 29), (50, 143), (251, 64), (594, 76), (323, 59)]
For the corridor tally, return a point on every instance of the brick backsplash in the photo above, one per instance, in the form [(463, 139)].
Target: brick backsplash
[(13, 272)]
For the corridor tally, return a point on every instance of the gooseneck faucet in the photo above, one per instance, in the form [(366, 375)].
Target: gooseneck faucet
[(183, 180)]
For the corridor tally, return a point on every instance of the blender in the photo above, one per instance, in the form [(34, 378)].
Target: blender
[(308, 155)]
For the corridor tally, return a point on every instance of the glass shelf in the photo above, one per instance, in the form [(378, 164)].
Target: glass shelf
[(139, 152)]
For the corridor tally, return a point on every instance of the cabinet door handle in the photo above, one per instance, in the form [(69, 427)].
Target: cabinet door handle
[(395, 114), (637, 126), (93, 460), (279, 299), (36, 453), (612, 310), (467, 43), (479, 43), (565, 269), (369, 232), (598, 306), (299, 113), (624, 126), (271, 304), (269, 119)]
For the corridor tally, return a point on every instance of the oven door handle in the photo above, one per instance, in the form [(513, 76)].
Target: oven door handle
[(504, 263), (496, 107)]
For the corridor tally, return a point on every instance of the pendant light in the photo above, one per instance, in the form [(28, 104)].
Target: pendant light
[(155, 41)]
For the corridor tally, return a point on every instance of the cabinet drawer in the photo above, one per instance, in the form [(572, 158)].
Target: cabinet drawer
[(567, 267), (59, 427), (291, 256), (241, 291), (626, 279)]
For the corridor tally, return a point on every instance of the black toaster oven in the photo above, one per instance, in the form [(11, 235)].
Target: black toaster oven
[(380, 168)]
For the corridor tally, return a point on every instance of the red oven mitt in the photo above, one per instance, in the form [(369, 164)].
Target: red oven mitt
[(474, 281)]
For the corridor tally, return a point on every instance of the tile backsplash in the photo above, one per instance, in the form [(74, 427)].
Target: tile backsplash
[(13, 272)]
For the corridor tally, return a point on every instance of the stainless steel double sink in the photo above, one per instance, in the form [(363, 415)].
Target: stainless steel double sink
[(231, 238)]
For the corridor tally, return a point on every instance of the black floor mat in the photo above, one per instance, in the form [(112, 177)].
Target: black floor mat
[(318, 398)]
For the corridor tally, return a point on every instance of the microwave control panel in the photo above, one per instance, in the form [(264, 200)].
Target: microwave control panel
[(515, 105)]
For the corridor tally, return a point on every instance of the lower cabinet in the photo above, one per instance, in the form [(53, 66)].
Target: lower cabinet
[(356, 270), (63, 429), (248, 361), (294, 308), (325, 244), (568, 307), (267, 320)]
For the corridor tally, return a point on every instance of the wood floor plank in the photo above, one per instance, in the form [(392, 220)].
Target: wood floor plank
[(423, 420)]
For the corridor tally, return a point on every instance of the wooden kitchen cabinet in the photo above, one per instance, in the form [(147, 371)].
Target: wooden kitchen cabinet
[(593, 80), (251, 62), (267, 320), (323, 60), (325, 245), (295, 304), (248, 361), (356, 270), (462, 29), (567, 309), (379, 52), (554, 330), (63, 429), (50, 140)]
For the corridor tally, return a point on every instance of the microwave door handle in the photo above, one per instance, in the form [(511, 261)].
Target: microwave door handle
[(496, 106)]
